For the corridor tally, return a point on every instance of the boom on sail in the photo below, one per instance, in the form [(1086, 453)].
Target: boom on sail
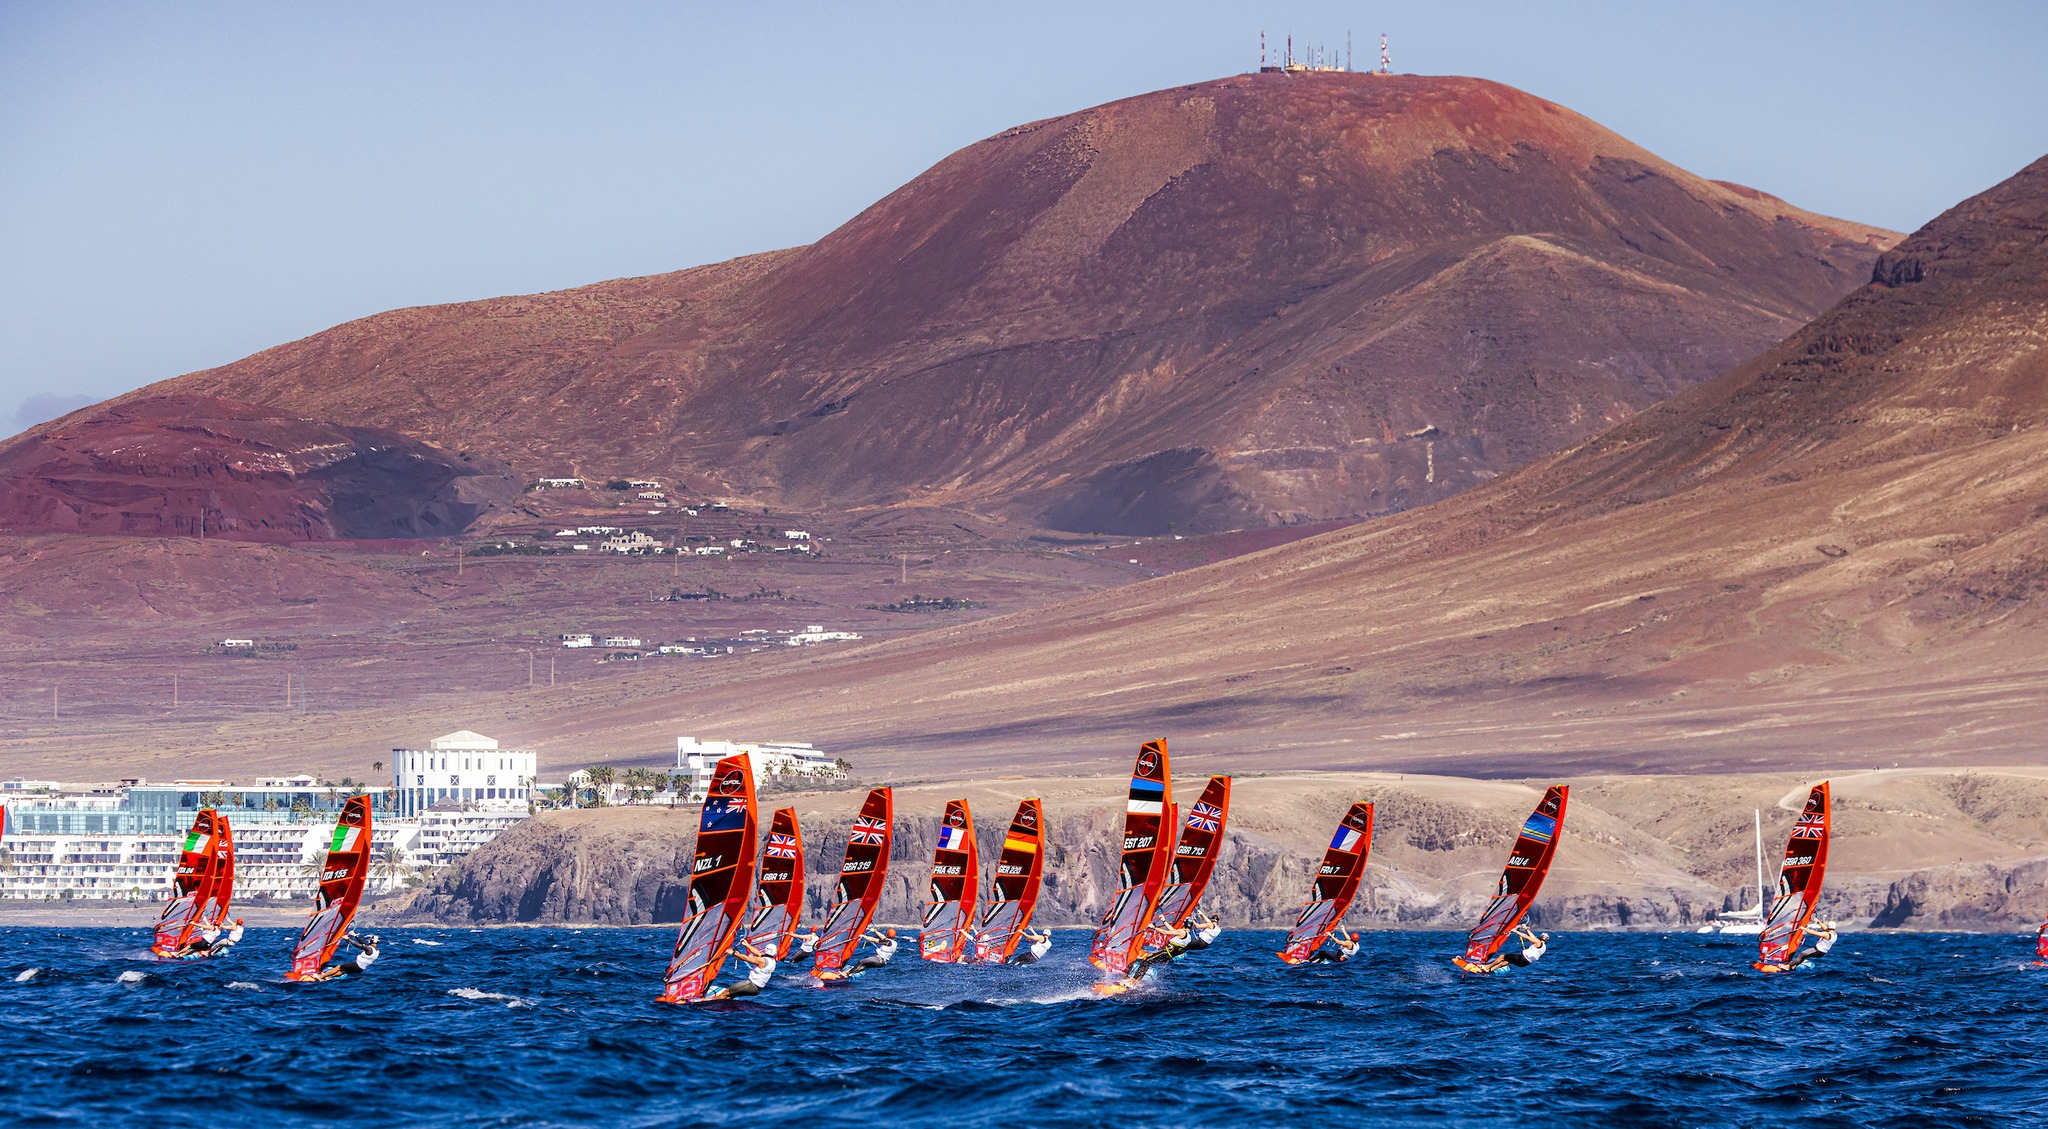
[(1013, 888), (1335, 885), (1528, 862)]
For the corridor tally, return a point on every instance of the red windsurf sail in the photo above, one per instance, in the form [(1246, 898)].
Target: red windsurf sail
[(341, 889), (1528, 862), (1013, 888), (1335, 885), (721, 882), (222, 897), (779, 897), (1143, 867), (1194, 859), (192, 886), (956, 871), (860, 883), (1799, 879)]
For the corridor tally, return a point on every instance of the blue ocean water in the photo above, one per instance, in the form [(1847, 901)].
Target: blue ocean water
[(559, 1027)]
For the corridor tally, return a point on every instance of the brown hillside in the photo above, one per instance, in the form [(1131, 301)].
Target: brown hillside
[(1837, 553), (1260, 299), (161, 466)]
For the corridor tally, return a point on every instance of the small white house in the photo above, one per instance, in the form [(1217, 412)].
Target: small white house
[(634, 542), (621, 640), (577, 639), (816, 633), (795, 535), (238, 642), (561, 484)]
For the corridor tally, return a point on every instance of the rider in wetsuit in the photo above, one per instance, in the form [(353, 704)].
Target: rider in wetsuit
[(757, 977), (1036, 945), (1346, 946), (366, 955), (885, 950)]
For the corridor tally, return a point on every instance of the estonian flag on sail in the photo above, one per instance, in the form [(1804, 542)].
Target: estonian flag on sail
[(1148, 797)]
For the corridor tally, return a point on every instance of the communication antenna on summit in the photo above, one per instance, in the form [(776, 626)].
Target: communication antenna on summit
[(1386, 60), (1347, 49), (1290, 51), (1262, 48)]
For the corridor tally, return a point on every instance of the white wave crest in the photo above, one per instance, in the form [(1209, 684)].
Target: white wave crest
[(424, 941), (245, 986), (131, 977), (27, 974), (480, 995)]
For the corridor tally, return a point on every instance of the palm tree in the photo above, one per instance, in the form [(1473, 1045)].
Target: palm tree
[(392, 865), (601, 777)]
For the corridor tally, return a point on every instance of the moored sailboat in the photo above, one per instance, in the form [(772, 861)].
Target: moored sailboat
[(1013, 888), (1528, 863), (1748, 921), (1799, 884), (1336, 883), (342, 878), (861, 875), (956, 871), (721, 882)]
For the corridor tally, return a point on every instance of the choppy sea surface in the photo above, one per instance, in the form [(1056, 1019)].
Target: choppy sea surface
[(559, 1027)]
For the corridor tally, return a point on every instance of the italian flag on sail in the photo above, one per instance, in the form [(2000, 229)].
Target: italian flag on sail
[(345, 838), (195, 842)]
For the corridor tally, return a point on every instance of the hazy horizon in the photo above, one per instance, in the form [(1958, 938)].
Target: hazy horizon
[(192, 184)]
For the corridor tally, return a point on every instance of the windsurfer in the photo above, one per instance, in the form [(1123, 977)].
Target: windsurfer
[(223, 944), (1819, 939), (366, 955), (1037, 944), (1533, 948), (885, 951), (1204, 932), (757, 976), (1342, 947), (806, 945)]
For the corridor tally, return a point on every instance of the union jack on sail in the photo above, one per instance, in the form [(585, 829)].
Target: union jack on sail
[(870, 831), (781, 846), (1205, 817), (1811, 825)]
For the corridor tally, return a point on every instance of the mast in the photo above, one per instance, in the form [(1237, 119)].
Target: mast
[(1762, 893)]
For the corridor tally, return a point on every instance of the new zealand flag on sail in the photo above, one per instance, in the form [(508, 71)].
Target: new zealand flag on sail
[(1205, 817)]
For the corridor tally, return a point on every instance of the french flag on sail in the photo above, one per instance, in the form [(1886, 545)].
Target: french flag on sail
[(952, 839), (1148, 797), (1345, 840)]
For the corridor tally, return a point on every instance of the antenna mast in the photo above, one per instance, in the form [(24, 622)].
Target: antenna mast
[(1386, 61)]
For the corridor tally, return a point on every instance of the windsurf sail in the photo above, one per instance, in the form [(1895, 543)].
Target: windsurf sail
[(1528, 862), (1194, 859), (342, 878), (192, 886), (860, 883), (2041, 942), (779, 896), (1799, 878), (721, 882), (1335, 885), (1013, 888), (222, 897), (1142, 870), (956, 871)]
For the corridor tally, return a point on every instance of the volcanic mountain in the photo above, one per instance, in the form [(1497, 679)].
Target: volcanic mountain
[(1260, 299), (187, 465), (1836, 553)]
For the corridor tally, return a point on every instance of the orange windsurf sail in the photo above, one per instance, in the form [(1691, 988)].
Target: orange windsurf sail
[(1799, 879), (1528, 862), (192, 886), (1194, 859), (342, 878), (1335, 885), (861, 875), (1142, 868), (779, 896), (956, 871), (1013, 888), (721, 882)]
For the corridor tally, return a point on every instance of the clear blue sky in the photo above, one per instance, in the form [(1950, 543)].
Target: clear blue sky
[(182, 184)]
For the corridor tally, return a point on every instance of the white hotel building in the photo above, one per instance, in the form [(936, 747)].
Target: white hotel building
[(772, 760), (464, 771)]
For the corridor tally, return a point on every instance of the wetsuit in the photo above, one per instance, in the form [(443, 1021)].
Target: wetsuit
[(222, 945), (1819, 948), (1032, 953), (1532, 951), (881, 956), (1337, 955), (1203, 938), (757, 979), (358, 964)]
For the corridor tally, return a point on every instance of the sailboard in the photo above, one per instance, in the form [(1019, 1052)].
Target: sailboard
[(1013, 888), (861, 876), (721, 882), (192, 886), (1194, 859), (1799, 879), (1335, 885), (1528, 862), (956, 871), (779, 895), (1142, 870), (342, 878)]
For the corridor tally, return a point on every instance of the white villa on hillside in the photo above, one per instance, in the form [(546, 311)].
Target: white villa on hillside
[(772, 760)]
